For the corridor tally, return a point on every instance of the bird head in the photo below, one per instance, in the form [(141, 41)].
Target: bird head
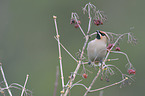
[(102, 36)]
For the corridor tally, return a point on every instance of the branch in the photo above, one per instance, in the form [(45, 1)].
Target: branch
[(5, 81), (76, 17), (60, 58), (24, 85), (67, 50), (126, 57), (108, 85)]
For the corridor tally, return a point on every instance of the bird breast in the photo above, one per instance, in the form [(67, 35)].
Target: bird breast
[(96, 50)]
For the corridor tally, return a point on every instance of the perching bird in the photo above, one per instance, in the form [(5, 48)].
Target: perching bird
[(97, 48)]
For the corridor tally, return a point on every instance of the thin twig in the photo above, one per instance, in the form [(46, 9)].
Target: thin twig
[(126, 57), (67, 51), (90, 18), (24, 85), (75, 16), (80, 85), (108, 86), (59, 49), (5, 81)]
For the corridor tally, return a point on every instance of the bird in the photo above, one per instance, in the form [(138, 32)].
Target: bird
[(97, 48)]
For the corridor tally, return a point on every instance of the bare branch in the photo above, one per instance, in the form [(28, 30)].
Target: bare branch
[(108, 85), (60, 58), (76, 17), (24, 85), (5, 81), (67, 51), (126, 57)]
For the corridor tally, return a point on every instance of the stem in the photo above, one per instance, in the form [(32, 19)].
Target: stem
[(90, 18), (126, 57), (24, 85), (5, 81), (67, 51), (60, 59), (76, 16), (108, 86)]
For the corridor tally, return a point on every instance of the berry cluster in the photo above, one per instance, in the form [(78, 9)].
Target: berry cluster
[(110, 46), (73, 21), (98, 22)]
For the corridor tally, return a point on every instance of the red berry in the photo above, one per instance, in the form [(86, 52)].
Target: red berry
[(101, 23), (109, 46), (72, 21), (117, 48), (79, 22), (131, 71), (76, 25), (85, 75), (97, 22)]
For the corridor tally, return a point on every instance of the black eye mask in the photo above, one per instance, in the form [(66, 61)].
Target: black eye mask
[(102, 34), (98, 36)]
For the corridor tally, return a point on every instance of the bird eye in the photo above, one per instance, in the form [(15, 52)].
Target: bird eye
[(103, 34)]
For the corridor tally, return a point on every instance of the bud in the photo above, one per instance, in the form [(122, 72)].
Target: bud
[(117, 49)]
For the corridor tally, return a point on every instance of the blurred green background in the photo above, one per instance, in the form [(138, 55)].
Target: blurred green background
[(27, 44)]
